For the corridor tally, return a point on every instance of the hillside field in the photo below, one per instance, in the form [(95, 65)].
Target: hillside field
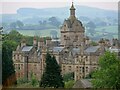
[(38, 32), (99, 31)]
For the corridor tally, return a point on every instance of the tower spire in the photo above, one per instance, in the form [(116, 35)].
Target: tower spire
[(72, 11)]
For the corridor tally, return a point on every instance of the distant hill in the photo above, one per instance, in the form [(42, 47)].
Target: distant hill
[(61, 13), (64, 12)]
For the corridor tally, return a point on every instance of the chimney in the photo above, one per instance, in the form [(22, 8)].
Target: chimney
[(41, 43), (48, 41), (102, 44), (87, 40), (82, 48), (23, 43), (34, 41)]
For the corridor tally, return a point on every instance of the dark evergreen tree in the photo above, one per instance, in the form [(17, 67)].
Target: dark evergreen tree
[(8, 71), (52, 76)]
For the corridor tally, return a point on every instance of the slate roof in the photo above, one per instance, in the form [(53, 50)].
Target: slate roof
[(86, 83), (75, 51), (68, 23), (83, 83), (80, 22), (92, 49), (57, 49), (114, 50), (27, 48)]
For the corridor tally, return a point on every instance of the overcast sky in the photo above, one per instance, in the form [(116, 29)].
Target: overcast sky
[(10, 6)]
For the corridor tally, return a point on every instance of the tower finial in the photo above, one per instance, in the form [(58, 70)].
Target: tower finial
[(72, 2), (72, 10)]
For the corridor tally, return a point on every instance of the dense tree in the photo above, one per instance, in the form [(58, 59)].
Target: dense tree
[(91, 28), (108, 75), (52, 76), (93, 43), (54, 21), (33, 80), (14, 36), (19, 23), (91, 25), (13, 25), (44, 22), (69, 76), (40, 22), (8, 72), (54, 34)]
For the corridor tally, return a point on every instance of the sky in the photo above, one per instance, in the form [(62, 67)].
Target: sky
[(11, 6)]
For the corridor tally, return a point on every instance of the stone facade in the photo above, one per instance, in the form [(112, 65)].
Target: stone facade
[(74, 53)]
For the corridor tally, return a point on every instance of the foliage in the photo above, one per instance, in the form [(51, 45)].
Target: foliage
[(52, 76), (69, 76), (16, 24), (91, 25), (107, 76), (54, 21), (33, 80), (19, 23), (13, 25), (94, 43), (69, 84), (7, 63), (54, 34), (89, 76), (17, 37), (21, 81), (32, 83), (13, 36), (91, 28)]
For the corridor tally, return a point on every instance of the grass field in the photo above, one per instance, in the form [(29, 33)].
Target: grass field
[(111, 29), (38, 32), (99, 31)]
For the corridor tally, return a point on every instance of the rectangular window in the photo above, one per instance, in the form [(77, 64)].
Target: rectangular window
[(69, 68), (83, 69), (65, 37), (86, 69)]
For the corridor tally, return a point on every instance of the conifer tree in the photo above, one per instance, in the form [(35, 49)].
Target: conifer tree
[(52, 76), (8, 70)]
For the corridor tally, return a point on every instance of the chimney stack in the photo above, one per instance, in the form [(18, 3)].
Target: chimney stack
[(23, 43), (35, 41)]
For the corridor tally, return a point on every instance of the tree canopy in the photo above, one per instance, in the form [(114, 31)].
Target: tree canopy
[(108, 75), (54, 21), (8, 70), (52, 76)]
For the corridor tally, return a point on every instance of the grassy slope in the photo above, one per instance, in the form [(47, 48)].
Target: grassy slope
[(110, 29), (38, 32)]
